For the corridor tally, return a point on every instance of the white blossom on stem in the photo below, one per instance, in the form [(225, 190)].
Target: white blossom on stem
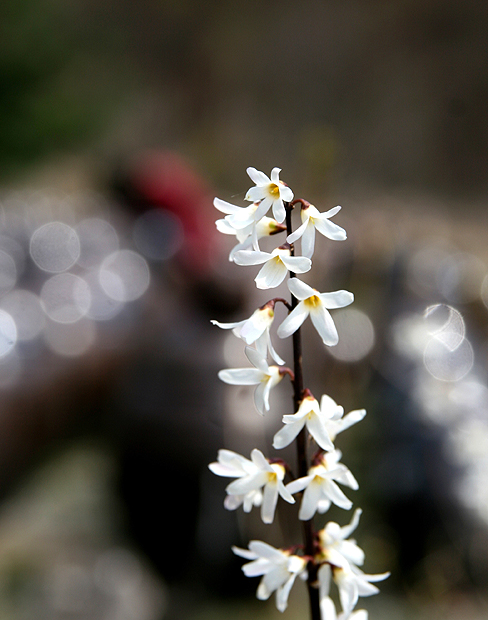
[(278, 570), (311, 416), (232, 465), (317, 305), (255, 330), (328, 611), (338, 423), (313, 220), (342, 560), (236, 217), (250, 234), (276, 265), (270, 193), (262, 375), (255, 476), (321, 487)]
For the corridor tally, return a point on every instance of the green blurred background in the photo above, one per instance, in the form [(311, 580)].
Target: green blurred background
[(378, 106)]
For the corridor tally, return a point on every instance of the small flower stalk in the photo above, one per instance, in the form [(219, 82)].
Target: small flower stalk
[(327, 555)]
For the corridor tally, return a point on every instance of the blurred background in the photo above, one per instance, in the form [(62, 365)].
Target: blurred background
[(119, 123)]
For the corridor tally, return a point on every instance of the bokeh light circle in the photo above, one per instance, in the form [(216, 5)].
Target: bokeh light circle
[(8, 333), (448, 364), (98, 239), (26, 310), (65, 298), (448, 355), (55, 247), (124, 275), (445, 324), (356, 335), (102, 307)]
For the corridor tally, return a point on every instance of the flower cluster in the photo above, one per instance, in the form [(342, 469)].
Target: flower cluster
[(329, 554)]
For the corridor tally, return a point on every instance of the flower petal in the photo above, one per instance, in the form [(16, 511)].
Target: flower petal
[(335, 494), (263, 550), (293, 321), (308, 240), (272, 351), (255, 194), (251, 257), (283, 593), (318, 431), (324, 575), (329, 407), (224, 227), (300, 289), (330, 230), (226, 207), (310, 501), (284, 493), (241, 376), (244, 553), (259, 177), (324, 324), (331, 212), (295, 486), (262, 209), (270, 499), (297, 264), (255, 326), (279, 212), (287, 434), (227, 325), (347, 530), (257, 360), (285, 192), (271, 274), (294, 235), (241, 486), (275, 175), (327, 609), (336, 299), (259, 398)]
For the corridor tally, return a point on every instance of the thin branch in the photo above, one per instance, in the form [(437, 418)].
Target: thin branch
[(301, 441)]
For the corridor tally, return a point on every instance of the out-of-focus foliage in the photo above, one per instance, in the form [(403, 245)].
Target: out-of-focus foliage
[(46, 99)]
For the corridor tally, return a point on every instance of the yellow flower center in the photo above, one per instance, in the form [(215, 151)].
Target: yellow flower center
[(313, 301), (274, 190)]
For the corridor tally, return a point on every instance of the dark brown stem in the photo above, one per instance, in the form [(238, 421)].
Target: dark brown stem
[(301, 441)]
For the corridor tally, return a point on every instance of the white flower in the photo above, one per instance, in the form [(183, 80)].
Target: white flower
[(260, 476), (232, 465), (269, 193), (277, 265), (309, 414), (335, 548), (328, 611), (278, 569), (237, 218), (344, 556), (316, 305), (255, 329), (320, 486), (262, 375), (249, 235), (334, 424), (313, 220)]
